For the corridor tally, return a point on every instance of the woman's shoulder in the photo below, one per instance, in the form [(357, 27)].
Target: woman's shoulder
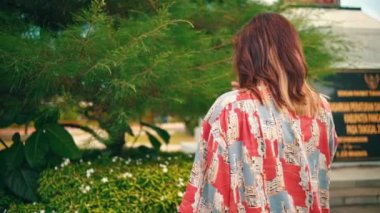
[(324, 104), (227, 99)]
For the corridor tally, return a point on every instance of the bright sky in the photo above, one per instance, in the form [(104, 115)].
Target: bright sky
[(369, 7)]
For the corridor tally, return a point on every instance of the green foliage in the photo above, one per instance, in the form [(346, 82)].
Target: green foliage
[(27, 208), (23, 183), (167, 57), (150, 184), (14, 174), (36, 149), (110, 66), (21, 163), (163, 134), (7, 199)]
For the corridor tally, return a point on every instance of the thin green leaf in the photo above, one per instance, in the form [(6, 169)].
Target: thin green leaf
[(154, 141), (161, 132)]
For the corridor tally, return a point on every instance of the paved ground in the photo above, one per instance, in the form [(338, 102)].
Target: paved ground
[(356, 209), (359, 172), (355, 187)]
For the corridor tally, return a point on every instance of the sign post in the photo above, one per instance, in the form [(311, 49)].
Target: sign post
[(355, 103)]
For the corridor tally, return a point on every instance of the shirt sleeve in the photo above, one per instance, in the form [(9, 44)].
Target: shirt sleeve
[(332, 137), (331, 132), (209, 182)]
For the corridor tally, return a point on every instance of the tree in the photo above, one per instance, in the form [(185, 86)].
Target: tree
[(112, 66)]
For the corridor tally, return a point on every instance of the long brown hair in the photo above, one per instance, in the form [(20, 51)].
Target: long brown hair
[(268, 50)]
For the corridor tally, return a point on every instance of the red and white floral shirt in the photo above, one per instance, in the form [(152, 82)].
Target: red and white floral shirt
[(255, 158)]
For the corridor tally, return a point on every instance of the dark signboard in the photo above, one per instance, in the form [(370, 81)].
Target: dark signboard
[(355, 103)]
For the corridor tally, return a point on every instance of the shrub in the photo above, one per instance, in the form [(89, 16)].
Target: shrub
[(154, 183), (7, 199)]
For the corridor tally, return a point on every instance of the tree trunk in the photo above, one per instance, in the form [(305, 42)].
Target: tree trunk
[(116, 143)]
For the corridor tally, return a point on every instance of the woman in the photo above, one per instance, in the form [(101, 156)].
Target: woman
[(267, 146)]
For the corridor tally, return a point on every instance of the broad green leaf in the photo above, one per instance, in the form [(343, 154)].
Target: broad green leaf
[(36, 148), (61, 142), (12, 157), (154, 141), (161, 132), (15, 154), (23, 182)]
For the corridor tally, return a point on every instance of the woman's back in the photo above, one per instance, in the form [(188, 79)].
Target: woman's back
[(266, 147), (254, 158)]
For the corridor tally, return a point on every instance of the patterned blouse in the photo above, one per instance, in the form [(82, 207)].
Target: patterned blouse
[(255, 158)]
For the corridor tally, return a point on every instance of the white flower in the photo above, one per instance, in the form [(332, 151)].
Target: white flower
[(111, 170), (180, 194), (180, 182), (42, 211), (164, 168), (104, 180), (114, 159), (65, 162), (147, 156), (89, 162), (89, 172), (55, 168), (80, 161), (158, 158), (127, 174), (84, 188)]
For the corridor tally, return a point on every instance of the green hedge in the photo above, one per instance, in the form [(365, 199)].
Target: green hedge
[(154, 183)]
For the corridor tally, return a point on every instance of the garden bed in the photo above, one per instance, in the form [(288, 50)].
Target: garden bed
[(135, 182)]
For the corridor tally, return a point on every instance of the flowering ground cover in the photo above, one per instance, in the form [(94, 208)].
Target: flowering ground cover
[(98, 183)]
